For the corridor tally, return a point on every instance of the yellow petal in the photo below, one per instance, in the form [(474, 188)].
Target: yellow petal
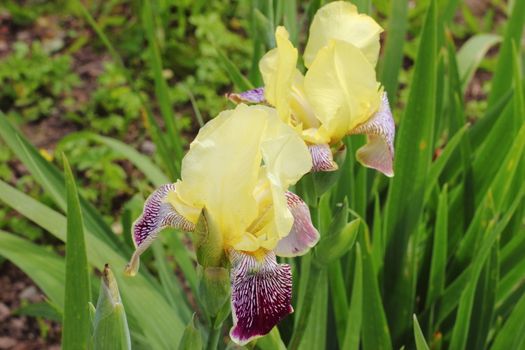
[(239, 167), (278, 69), (340, 20), (302, 112), (221, 168), (341, 86), (286, 159)]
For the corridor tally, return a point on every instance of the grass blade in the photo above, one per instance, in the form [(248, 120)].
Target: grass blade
[(471, 53), (143, 163), (240, 82), (355, 312), (45, 268), (375, 331), (393, 57), (77, 320), (339, 298), (463, 318), (504, 68), (512, 334), (161, 87), (50, 178), (436, 283), (414, 151), (421, 343)]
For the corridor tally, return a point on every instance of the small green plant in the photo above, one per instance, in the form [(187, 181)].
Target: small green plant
[(34, 82)]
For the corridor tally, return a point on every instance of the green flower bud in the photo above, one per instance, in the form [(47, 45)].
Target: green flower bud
[(339, 238), (208, 242), (191, 339)]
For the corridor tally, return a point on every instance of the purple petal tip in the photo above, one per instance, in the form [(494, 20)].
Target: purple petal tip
[(251, 96)]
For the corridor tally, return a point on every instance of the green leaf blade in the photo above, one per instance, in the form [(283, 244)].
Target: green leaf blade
[(77, 320)]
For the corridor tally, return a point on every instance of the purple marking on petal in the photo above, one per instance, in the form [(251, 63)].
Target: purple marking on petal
[(261, 295), (322, 158), (157, 214), (378, 153), (303, 234), (250, 96)]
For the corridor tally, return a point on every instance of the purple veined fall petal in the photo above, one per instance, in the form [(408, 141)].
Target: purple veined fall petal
[(322, 158), (261, 294), (157, 215), (251, 96), (303, 234), (378, 153)]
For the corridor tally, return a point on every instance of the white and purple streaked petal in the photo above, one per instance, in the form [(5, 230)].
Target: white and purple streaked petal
[(378, 153), (251, 96), (303, 235), (157, 214), (322, 158), (261, 295)]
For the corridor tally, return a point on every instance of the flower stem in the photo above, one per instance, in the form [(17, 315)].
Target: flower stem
[(213, 338), (306, 306)]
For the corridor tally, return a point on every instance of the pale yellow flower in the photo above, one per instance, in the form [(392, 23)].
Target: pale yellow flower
[(339, 94), (235, 177)]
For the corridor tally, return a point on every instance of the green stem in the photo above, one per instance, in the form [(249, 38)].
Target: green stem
[(306, 307), (213, 338)]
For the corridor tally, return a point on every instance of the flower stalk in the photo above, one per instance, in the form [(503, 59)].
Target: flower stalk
[(311, 287)]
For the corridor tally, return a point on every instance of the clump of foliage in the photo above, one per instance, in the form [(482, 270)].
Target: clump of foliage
[(34, 83)]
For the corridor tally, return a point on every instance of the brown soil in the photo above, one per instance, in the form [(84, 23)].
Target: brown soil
[(22, 332)]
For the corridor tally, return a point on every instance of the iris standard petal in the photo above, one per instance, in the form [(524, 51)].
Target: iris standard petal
[(286, 159), (157, 214), (340, 20), (261, 294), (322, 158), (378, 153), (221, 169), (303, 235), (251, 96), (277, 68), (341, 86)]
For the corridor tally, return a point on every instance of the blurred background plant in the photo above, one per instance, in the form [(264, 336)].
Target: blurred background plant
[(120, 87)]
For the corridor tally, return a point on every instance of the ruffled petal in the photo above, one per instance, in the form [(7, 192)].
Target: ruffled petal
[(322, 158), (303, 235), (378, 153), (221, 168), (157, 215), (286, 159), (253, 96), (261, 295), (278, 67), (340, 20), (342, 88)]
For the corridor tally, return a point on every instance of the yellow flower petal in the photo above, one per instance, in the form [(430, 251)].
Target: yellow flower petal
[(221, 169), (342, 88), (286, 159), (302, 112), (340, 20), (239, 167), (278, 69)]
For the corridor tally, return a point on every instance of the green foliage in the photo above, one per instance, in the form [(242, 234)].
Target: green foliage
[(75, 334), (443, 240), (32, 81)]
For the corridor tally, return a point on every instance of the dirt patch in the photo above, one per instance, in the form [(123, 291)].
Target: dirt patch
[(22, 332)]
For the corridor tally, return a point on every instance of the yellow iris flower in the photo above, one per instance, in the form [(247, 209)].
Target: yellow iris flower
[(235, 177), (339, 93)]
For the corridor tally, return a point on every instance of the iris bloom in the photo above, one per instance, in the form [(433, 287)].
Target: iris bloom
[(237, 173), (339, 94)]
